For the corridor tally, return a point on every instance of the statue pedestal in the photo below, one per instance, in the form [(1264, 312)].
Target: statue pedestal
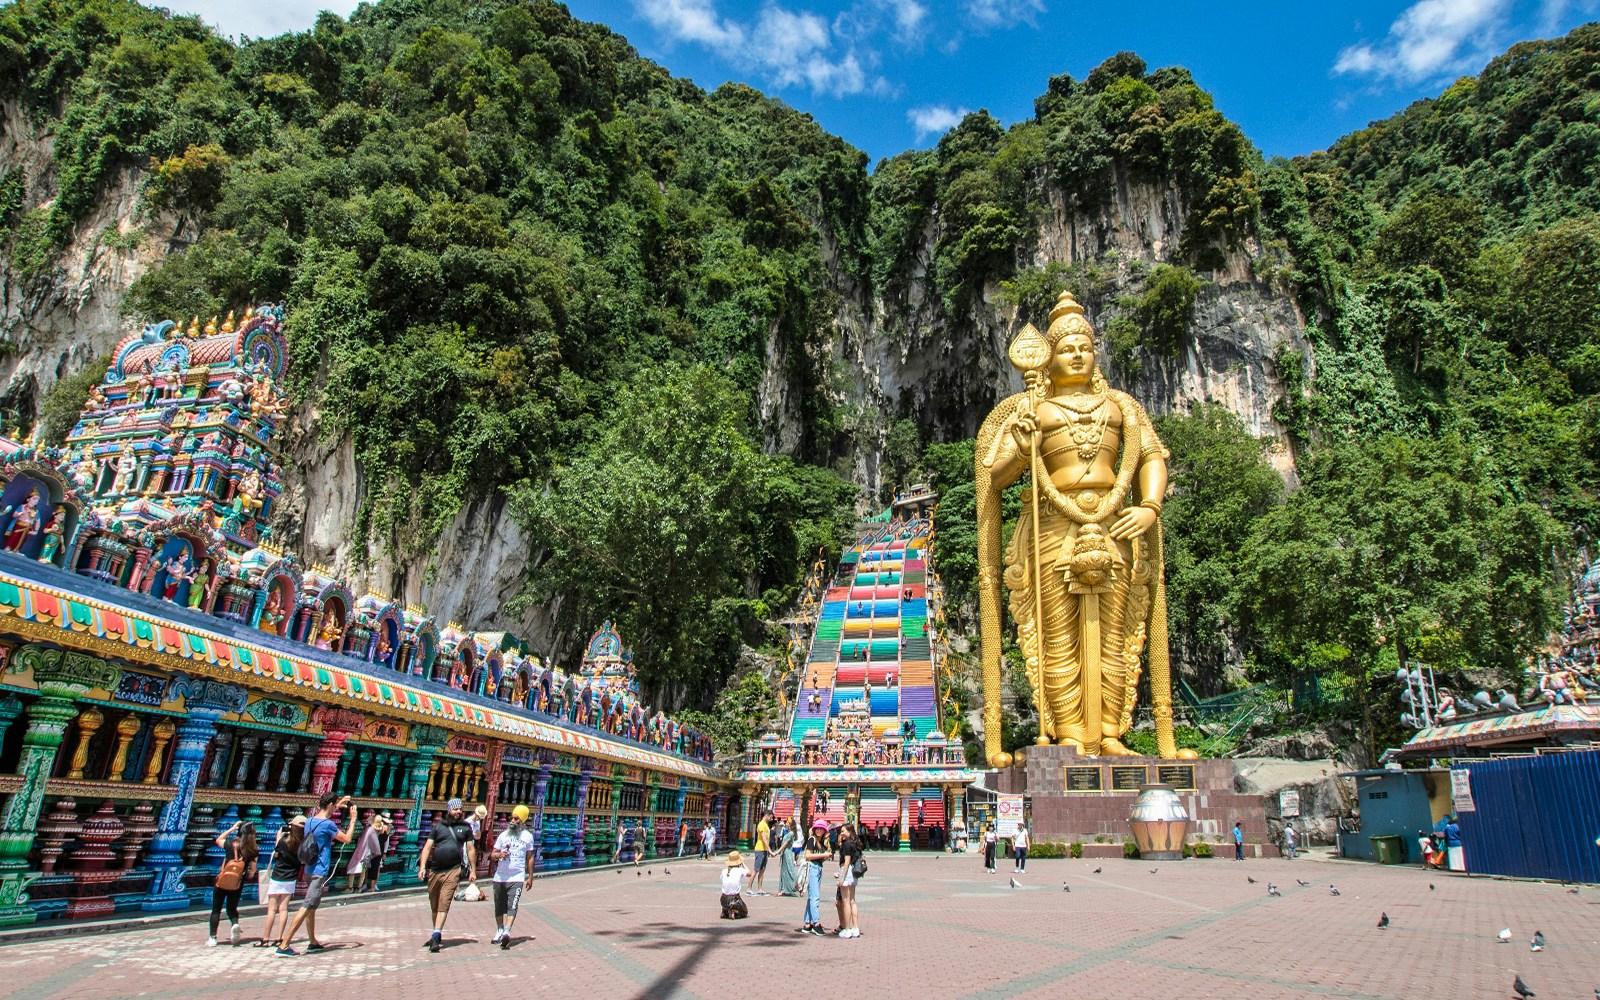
[(1072, 797)]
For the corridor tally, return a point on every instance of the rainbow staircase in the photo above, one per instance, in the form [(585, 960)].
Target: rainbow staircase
[(871, 641)]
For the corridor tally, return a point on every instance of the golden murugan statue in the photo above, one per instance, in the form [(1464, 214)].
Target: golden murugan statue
[(1084, 564)]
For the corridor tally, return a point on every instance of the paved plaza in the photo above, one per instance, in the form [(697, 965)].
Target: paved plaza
[(932, 927)]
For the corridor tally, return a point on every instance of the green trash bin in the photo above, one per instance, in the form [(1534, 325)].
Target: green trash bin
[(1388, 850)]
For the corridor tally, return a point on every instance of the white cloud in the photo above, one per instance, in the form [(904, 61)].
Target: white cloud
[(258, 20), (1004, 13), (932, 118), (788, 47), (909, 16), (1430, 39)]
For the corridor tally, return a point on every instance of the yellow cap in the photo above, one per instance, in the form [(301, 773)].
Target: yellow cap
[(520, 814)]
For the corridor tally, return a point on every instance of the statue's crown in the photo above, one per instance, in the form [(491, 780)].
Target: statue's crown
[(1067, 317)]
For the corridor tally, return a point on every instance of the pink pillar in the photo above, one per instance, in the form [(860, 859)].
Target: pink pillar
[(338, 725)]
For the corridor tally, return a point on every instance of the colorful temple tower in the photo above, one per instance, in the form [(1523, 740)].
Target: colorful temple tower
[(166, 670)]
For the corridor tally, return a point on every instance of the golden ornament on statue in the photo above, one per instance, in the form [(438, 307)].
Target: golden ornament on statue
[(1084, 565)]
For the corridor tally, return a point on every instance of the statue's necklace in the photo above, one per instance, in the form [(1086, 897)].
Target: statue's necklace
[(1088, 426)]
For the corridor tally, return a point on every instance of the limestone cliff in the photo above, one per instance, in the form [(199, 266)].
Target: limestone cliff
[(905, 358)]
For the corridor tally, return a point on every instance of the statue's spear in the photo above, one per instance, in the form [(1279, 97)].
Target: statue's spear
[(1030, 353)]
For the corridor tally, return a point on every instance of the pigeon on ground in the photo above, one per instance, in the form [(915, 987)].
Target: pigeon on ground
[(1155, 869), (1301, 881), (668, 871), (1065, 887), (1097, 871), (1250, 880), (1537, 944), (1015, 884), (1383, 921), (1504, 936), (1520, 988), (1272, 890), (1572, 889), (638, 874), (1332, 890), (1430, 886)]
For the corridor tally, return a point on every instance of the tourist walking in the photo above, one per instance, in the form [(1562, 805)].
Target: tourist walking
[(708, 841), (281, 878), (816, 853), (513, 875), (1289, 839), (239, 853), (1019, 849), (733, 875), (988, 848), (763, 853), (449, 849), (385, 827), (316, 854), (849, 863), (1238, 841), (683, 837), (788, 869), (369, 851)]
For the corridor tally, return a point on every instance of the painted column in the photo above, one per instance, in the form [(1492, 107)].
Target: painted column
[(746, 794), (651, 784), (541, 786), (956, 816), (493, 771), (585, 775), (204, 701), (62, 676), (904, 791), (677, 828), (430, 740), (338, 725)]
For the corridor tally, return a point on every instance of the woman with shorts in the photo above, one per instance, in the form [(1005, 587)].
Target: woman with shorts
[(849, 854), (281, 879)]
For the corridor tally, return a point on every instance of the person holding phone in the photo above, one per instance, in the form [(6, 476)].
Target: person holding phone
[(316, 854)]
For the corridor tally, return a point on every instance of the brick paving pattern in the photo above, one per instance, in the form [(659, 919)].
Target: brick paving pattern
[(933, 927)]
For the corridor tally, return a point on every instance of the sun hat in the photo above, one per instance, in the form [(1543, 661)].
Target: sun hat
[(820, 824), (520, 814), (734, 859)]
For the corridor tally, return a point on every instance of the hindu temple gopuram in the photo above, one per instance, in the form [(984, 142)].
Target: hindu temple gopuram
[(167, 670)]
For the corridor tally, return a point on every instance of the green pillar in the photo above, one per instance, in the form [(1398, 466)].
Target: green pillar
[(62, 676), (430, 740)]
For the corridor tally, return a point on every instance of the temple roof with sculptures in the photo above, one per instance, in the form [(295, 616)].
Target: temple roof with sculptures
[(166, 486)]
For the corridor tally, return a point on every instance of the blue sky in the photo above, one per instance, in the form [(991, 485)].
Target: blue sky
[(891, 75)]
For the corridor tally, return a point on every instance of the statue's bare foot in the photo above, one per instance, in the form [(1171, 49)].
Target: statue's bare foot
[(1068, 741), (1110, 747)]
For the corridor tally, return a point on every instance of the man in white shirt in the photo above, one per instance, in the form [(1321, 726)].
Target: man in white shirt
[(1019, 848), (513, 873)]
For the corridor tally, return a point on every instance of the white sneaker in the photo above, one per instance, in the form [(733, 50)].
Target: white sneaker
[(211, 942), (499, 932), (235, 934)]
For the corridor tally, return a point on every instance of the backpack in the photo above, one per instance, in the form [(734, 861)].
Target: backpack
[(309, 853), (860, 867)]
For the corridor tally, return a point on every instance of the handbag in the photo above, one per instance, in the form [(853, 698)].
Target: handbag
[(859, 868), (263, 886), (232, 874)]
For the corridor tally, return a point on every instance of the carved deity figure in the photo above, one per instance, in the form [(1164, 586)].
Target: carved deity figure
[(177, 569), (330, 633), (272, 614), (263, 401), (197, 586), (54, 534), (251, 493), (1084, 565), (127, 463), (24, 518)]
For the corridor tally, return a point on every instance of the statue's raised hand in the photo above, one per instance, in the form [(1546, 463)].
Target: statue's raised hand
[(1134, 522), (1023, 428)]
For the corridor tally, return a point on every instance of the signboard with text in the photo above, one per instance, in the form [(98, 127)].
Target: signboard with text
[(1008, 811)]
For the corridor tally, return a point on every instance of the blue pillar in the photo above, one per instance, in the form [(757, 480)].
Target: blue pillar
[(205, 702)]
